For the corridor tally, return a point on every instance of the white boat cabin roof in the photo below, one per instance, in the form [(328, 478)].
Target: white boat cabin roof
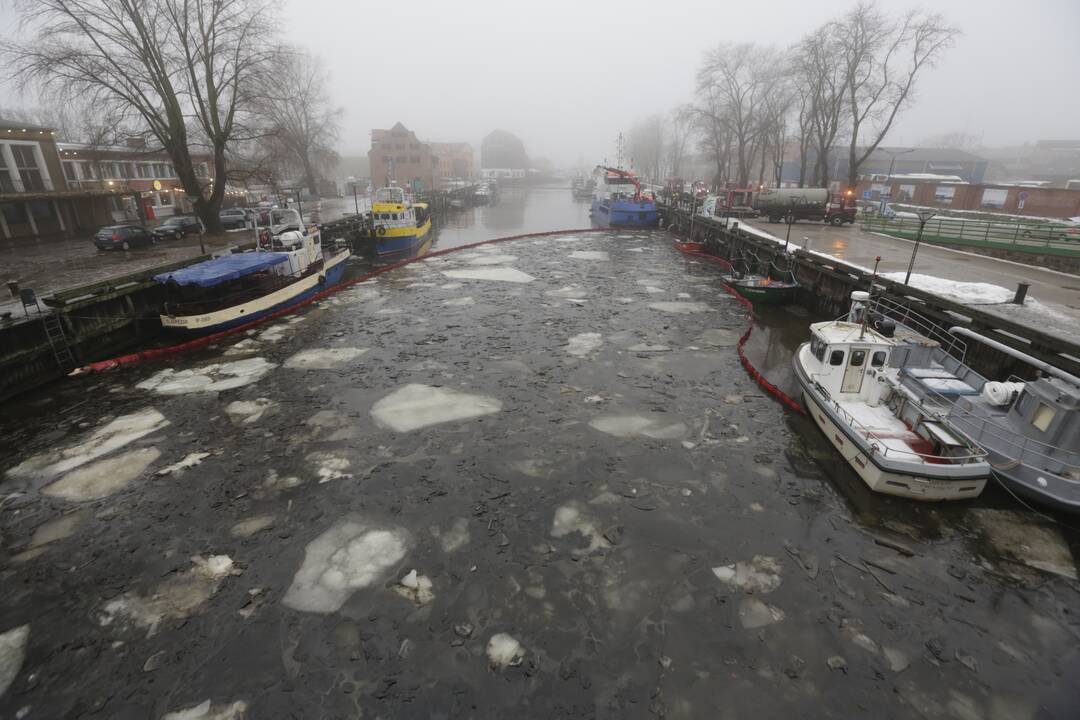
[(838, 332)]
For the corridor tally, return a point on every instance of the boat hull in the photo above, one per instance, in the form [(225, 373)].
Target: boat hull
[(399, 245), (776, 294), (281, 299), (889, 478), (625, 213)]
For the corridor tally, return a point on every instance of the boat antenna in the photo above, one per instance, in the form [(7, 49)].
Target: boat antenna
[(869, 297)]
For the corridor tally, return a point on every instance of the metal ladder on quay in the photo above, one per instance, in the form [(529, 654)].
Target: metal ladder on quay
[(54, 332)]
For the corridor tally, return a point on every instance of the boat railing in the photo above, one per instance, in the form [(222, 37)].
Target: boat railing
[(904, 315), (878, 445), (979, 427)]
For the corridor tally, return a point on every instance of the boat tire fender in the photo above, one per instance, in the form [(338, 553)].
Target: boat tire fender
[(380, 230)]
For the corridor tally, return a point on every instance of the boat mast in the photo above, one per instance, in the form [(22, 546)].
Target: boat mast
[(869, 298)]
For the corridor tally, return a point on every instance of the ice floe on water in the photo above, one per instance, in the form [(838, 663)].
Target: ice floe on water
[(718, 337), (191, 460), (452, 286), (658, 428), (331, 426), (246, 412), (753, 614), (504, 651), (492, 260), (244, 347), (252, 525), (454, 538), (570, 291), (173, 599), (102, 478), (1020, 538), (572, 518), (58, 529), (415, 406), (351, 554), (12, 654), (653, 290), (324, 358), (590, 255), (208, 378), (209, 711), (680, 307), (500, 274), (459, 302), (760, 575), (113, 436), (645, 347), (329, 466), (583, 344), (416, 587)]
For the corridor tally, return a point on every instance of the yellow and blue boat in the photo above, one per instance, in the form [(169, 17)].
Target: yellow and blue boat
[(401, 228)]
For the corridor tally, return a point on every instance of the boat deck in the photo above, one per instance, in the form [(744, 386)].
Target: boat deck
[(878, 424)]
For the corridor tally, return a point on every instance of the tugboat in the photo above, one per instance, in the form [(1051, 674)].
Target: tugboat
[(898, 447), (619, 202), (401, 228), (288, 267)]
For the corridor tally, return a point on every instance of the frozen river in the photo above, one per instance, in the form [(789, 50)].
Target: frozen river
[(526, 480)]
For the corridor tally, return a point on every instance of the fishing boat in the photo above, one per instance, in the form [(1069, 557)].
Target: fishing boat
[(762, 290), (1030, 429), (400, 227), (619, 202), (581, 188), (847, 376), (235, 289)]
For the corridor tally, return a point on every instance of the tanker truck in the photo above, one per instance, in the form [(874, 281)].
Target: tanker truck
[(792, 204)]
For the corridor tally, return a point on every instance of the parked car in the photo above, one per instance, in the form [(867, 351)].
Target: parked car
[(123, 237), (175, 228), (235, 218)]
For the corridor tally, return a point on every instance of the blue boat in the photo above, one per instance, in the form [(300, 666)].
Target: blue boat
[(236, 289), (620, 202)]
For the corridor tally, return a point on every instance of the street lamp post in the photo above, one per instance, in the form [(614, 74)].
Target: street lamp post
[(924, 216), (790, 219)]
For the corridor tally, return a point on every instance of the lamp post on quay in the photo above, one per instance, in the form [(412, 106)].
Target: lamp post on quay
[(790, 219), (924, 216)]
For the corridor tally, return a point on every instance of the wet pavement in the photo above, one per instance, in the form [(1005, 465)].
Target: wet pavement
[(527, 480)]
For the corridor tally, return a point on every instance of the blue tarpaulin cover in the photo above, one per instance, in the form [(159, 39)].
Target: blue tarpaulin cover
[(222, 269)]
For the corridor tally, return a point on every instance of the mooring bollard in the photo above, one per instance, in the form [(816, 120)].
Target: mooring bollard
[(1021, 293)]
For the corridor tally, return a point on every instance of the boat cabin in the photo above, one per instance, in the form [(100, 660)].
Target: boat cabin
[(1048, 412), (390, 210)]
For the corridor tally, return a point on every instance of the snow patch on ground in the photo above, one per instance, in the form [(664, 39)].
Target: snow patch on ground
[(572, 518), (12, 654), (323, 358), (681, 308), (246, 412), (102, 478), (191, 460), (658, 428), (499, 274), (590, 255), (504, 651), (208, 711), (760, 575), (209, 378), (415, 406), (583, 344), (348, 556), (175, 598), (113, 436)]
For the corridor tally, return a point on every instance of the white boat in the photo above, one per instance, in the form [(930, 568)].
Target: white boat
[(851, 388)]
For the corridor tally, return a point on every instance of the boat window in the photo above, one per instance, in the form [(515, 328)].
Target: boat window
[(878, 358), (858, 357), (837, 357), (1044, 415)]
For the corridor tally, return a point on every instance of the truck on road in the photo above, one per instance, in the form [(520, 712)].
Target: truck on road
[(794, 204)]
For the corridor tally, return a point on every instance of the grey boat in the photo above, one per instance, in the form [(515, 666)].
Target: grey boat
[(1029, 429)]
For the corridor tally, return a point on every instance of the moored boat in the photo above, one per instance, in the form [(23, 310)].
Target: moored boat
[(762, 290), (619, 202), (886, 436), (235, 289), (400, 227)]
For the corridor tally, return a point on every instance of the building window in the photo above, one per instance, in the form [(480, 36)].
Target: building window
[(200, 170), (14, 213), (70, 173), (5, 180), (127, 172), (401, 159), (994, 198), (944, 194), (42, 210), (26, 164)]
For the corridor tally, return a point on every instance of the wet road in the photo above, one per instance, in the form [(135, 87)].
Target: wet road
[(852, 245), (605, 516)]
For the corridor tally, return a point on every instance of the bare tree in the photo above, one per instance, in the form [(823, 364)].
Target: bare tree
[(680, 129), (301, 122), (737, 79), (180, 68), (712, 131), (646, 146), (823, 82), (881, 61)]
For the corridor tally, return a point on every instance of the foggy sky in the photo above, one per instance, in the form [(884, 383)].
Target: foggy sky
[(568, 75)]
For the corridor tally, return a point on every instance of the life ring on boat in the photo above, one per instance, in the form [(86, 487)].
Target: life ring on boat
[(380, 230)]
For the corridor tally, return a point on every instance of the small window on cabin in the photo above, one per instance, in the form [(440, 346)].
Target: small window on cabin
[(1044, 415), (878, 359), (837, 357), (858, 357)]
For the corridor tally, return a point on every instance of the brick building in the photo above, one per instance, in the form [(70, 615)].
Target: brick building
[(397, 154), (987, 197), (454, 160)]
